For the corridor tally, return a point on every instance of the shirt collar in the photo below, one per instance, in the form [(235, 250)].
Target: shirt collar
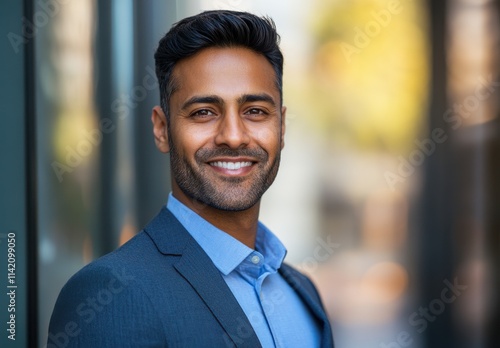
[(225, 251)]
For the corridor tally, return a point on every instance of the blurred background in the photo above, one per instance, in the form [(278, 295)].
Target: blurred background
[(387, 194)]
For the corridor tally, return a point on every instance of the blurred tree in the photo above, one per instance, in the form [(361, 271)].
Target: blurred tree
[(368, 78)]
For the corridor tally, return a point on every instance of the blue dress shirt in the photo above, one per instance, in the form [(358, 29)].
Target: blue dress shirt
[(277, 314)]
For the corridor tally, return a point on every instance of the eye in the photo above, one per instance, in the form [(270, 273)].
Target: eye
[(256, 111), (202, 113)]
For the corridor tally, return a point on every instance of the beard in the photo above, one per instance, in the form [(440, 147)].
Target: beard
[(202, 184)]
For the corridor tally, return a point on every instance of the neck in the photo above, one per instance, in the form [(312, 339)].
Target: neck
[(241, 225)]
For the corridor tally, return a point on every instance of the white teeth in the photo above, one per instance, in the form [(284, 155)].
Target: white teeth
[(231, 165)]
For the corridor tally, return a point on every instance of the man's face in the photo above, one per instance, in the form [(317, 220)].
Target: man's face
[(226, 128)]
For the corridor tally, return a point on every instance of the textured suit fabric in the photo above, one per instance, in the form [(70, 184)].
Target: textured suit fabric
[(160, 289)]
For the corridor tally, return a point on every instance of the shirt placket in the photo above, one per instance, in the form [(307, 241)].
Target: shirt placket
[(261, 272)]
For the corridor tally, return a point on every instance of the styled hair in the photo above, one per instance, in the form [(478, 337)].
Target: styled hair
[(220, 28)]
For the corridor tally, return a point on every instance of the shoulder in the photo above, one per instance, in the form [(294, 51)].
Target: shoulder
[(118, 267), (100, 298), (110, 270), (127, 268)]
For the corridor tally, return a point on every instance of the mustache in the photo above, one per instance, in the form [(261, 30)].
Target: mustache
[(204, 155)]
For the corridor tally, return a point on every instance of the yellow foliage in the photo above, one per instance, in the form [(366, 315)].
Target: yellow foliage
[(369, 72)]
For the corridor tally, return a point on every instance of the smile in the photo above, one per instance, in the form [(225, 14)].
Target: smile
[(230, 165)]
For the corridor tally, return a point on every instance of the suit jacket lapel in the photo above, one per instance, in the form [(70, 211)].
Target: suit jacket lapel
[(197, 268), (208, 283)]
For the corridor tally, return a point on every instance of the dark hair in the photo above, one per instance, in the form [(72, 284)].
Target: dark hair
[(215, 29)]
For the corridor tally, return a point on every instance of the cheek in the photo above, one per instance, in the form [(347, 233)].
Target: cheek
[(189, 139), (268, 138)]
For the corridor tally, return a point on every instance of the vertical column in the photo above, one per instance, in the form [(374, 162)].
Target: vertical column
[(493, 213), (17, 209), (436, 235), (152, 167)]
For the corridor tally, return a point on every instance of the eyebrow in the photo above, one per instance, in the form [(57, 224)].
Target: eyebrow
[(206, 99), (213, 99), (263, 97)]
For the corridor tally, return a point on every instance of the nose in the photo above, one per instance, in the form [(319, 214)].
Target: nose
[(232, 131)]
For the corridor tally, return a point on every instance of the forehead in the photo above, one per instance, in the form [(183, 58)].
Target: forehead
[(227, 71)]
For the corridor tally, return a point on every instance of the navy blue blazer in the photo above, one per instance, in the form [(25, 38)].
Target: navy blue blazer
[(160, 289)]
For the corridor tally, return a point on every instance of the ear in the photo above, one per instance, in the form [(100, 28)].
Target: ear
[(160, 129), (283, 126)]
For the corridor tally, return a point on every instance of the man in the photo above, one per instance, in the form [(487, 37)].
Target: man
[(204, 272)]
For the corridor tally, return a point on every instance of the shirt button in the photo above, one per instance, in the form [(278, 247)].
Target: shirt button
[(255, 259)]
